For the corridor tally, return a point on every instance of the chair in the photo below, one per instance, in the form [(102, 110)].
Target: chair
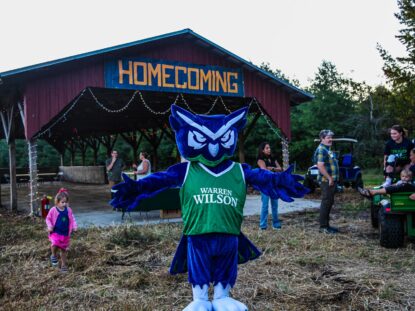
[(347, 160)]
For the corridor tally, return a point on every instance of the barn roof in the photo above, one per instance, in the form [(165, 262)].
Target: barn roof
[(51, 88), (299, 95)]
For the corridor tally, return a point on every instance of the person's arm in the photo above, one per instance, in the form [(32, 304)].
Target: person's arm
[(145, 168), (74, 225), (323, 171), (277, 167), (50, 219), (109, 166), (385, 158), (412, 196), (261, 164)]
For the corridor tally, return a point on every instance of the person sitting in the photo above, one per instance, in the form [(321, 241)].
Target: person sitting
[(396, 154), (144, 169), (403, 185)]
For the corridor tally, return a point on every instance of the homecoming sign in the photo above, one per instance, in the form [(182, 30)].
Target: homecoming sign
[(151, 75)]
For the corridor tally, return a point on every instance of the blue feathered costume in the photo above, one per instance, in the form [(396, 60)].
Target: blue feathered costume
[(212, 194)]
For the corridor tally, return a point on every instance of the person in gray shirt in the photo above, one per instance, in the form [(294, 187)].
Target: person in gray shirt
[(114, 166)]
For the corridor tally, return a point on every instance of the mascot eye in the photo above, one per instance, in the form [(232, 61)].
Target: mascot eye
[(199, 137), (196, 140), (228, 139)]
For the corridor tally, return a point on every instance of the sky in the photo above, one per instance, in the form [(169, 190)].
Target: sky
[(294, 36)]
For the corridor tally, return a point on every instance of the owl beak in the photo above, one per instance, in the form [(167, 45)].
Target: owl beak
[(213, 149)]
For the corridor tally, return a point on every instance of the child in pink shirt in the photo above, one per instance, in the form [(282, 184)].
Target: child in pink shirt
[(61, 223)]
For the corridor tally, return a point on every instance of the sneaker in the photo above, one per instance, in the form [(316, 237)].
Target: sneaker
[(262, 228), (333, 229), (364, 192), (277, 226), (64, 269), (329, 230), (54, 261)]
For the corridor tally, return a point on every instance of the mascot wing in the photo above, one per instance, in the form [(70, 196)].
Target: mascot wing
[(130, 193), (284, 186)]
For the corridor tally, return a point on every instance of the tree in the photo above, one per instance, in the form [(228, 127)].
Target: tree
[(335, 103), (400, 71)]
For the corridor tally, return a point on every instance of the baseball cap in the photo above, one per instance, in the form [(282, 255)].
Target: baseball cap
[(324, 133)]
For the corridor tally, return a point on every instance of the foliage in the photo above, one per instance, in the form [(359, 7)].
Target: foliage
[(400, 71), (336, 101)]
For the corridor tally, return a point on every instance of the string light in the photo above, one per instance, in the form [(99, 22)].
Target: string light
[(116, 110), (33, 195), (63, 118)]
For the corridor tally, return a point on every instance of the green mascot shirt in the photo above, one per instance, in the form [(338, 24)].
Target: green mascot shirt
[(213, 203)]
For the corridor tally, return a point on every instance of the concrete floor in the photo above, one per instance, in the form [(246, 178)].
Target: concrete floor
[(91, 208)]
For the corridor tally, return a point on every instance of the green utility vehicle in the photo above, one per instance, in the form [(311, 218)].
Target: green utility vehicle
[(394, 216)]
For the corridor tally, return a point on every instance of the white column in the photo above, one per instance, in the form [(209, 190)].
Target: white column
[(33, 195), (285, 153)]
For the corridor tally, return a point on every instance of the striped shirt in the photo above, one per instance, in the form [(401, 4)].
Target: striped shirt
[(324, 154)]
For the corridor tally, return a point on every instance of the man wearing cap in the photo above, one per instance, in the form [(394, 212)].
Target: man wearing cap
[(328, 168)]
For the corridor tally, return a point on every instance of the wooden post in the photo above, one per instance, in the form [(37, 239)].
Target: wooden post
[(241, 148), (134, 140), (285, 153), (154, 140), (12, 172), (243, 135), (8, 127), (94, 143), (108, 142)]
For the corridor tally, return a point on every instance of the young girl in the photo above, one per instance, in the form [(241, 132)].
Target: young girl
[(61, 223)]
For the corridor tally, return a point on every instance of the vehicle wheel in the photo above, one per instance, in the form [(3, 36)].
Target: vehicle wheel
[(309, 183), (391, 231), (358, 182), (374, 214)]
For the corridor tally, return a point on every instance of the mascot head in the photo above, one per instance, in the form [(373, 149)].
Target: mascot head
[(207, 139)]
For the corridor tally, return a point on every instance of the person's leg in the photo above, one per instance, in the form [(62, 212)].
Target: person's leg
[(325, 204), (111, 184), (64, 261), (264, 211), (53, 257), (274, 209)]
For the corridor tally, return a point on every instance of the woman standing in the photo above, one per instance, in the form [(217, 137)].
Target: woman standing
[(144, 169), (396, 155), (267, 162)]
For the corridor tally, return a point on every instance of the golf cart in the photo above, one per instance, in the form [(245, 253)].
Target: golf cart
[(350, 174), (394, 216)]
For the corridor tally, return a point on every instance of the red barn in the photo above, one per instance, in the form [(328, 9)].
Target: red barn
[(131, 86)]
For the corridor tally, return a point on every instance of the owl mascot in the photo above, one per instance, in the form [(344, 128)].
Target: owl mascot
[(212, 194)]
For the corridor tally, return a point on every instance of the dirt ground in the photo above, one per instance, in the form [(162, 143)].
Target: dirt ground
[(125, 267), (85, 197)]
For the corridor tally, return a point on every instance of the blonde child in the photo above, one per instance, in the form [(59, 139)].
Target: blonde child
[(60, 222), (403, 185)]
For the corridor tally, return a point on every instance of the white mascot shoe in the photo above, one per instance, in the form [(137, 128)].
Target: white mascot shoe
[(222, 301), (200, 299)]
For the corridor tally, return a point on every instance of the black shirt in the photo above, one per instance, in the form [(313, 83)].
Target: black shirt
[(269, 161), (401, 151)]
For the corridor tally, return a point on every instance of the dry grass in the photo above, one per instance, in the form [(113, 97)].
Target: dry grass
[(125, 268)]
